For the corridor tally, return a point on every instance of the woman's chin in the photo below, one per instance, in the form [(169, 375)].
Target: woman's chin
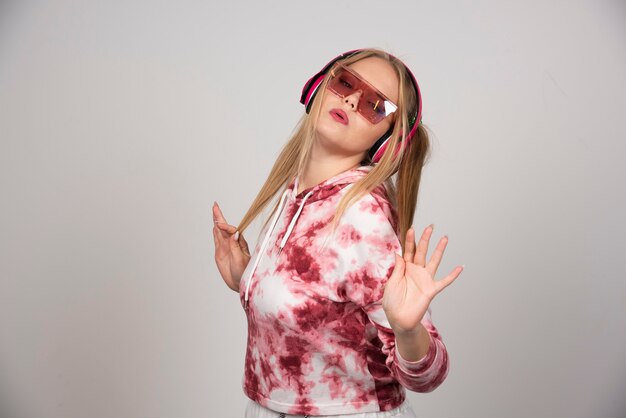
[(331, 128), (329, 137)]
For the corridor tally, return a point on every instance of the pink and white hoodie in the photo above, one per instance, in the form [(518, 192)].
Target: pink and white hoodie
[(319, 342)]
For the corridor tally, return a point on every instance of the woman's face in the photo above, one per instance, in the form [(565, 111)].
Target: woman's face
[(358, 135)]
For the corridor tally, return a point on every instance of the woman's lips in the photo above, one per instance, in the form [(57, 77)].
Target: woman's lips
[(339, 115)]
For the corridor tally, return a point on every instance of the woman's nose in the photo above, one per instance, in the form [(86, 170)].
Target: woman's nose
[(353, 99)]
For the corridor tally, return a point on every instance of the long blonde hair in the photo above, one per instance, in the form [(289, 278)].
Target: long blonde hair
[(407, 165)]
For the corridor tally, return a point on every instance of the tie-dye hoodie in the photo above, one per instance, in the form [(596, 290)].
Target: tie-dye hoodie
[(319, 342)]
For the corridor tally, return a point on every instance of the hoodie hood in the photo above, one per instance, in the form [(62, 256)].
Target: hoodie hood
[(328, 187), (321, 191)]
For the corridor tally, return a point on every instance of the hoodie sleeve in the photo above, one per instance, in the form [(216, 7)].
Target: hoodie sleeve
[(366, 245)]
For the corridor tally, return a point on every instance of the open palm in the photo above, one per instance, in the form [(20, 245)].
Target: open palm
[(412, 285)]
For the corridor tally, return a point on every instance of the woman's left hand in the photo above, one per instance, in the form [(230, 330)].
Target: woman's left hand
[(412, 285)]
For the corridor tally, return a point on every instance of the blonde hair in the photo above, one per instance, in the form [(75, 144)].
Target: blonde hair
[(407, 165)]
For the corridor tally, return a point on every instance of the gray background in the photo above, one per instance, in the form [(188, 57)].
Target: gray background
[(122, 121)]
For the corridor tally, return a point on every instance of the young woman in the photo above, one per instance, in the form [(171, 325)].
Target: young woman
[(337, 306)]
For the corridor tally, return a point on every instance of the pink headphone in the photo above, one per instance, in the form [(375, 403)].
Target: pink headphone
[(378, 149)]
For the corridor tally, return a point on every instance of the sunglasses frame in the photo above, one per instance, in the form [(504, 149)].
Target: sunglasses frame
[(341, 67)]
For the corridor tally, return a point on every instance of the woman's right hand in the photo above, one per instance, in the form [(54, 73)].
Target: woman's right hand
[(231, 250)]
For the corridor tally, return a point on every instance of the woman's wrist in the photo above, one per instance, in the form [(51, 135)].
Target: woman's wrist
[(413, 344)]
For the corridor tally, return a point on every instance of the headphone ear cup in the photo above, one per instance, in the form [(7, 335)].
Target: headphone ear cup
[(310, 90), (309, 103)]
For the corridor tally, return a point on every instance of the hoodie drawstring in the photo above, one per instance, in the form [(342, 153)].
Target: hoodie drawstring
[(267, 237), (271, 228), (293, 222)]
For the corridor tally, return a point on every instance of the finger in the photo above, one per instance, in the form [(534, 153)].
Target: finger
[(236, 250), (422, 246), (219, 245), (447, 281), (234, 243), (215, 237), (225, 232), (398, 270), (409, 245), (217, 213), (222, 245), (244, 245), (435, 259), (231, 229)]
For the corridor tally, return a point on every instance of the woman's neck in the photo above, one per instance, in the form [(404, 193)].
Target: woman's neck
[(317, 171)]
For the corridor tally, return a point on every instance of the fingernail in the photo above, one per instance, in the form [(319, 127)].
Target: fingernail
[(432, 226), (236, 236)]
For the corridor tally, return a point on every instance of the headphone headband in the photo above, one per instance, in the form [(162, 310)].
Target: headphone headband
[(310, 89)]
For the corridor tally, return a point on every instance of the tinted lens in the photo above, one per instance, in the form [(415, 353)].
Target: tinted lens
[(372, 104), (345, 83)]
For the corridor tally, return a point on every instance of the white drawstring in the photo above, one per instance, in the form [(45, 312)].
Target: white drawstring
[(293, 222), (271, 228), (267, 237)]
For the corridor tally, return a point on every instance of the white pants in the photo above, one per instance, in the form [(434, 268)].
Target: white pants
[(254, 410)]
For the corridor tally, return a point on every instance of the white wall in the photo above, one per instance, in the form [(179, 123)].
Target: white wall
[(121, 123)]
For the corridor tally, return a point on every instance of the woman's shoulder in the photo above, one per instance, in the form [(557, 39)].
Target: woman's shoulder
[(375, 205)]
